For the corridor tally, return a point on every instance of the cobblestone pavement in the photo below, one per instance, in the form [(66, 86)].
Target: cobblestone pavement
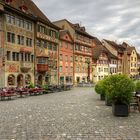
[(72, 115)]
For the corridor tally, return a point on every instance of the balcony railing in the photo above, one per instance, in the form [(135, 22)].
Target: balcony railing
[(42, 67)]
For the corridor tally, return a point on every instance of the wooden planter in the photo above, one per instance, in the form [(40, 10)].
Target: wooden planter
[(121, 110)]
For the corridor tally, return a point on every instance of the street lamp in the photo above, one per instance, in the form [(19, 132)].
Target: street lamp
[(88, 77)]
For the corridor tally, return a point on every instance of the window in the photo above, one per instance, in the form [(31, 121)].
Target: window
[(66, 58), (50, 46), (27, 79), (10, 37), (60, 68), (38, 43), (66, 68), (71, 47), (41, 29), (18, 22), (76, 47), (71, 69), (66, 45), (14, 56), (32, 58), (29, 58), (10, 19), (8, 55), (11, 80), (61, 56), (17, 56), (42, 60), (20, 40), (71, 59), (22, 57), (26, 57), (29, 42), (54, 48)]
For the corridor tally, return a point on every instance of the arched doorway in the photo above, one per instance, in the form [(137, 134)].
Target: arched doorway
[(27, 79), (40, 80), (20, 80), (11, 80)]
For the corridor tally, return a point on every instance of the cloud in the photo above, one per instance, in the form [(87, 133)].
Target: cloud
[(114, 20)]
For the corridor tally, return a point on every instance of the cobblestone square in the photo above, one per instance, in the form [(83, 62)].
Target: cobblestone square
[(77, 114)]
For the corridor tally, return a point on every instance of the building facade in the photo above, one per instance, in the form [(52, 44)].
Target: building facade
[(46, 53), (83, 45), (66, 64), (101, 61), (17, 45)]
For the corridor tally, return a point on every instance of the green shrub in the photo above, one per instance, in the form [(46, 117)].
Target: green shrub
[(45, 87), (137, 86), (31, 85), (99, 87), (119, 88)]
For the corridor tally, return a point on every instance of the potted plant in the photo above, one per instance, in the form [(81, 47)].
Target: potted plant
[(119, 89), (99, 88), (31, 85), (45, 87), (137, 87)]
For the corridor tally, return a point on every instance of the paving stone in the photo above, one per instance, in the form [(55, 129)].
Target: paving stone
[(70, 115)]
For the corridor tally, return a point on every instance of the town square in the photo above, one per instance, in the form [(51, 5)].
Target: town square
[(69, 70)]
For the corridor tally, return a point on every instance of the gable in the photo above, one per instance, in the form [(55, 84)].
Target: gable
[(66, 37), (64, 24)]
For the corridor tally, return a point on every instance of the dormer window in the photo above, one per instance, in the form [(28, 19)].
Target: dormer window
[(8, 1), (23, 8)]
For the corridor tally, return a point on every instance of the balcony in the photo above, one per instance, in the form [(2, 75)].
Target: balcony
[(26, 50), (42, 67), (25, 66)]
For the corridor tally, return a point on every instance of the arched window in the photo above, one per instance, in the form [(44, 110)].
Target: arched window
[(27, 79), (11, 80)]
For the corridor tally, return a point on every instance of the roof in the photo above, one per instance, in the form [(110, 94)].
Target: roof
[(120, 48), (100, 49), (32, 9), (77, 28), (130, 49)]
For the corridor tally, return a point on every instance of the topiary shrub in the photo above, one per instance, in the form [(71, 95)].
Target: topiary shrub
[(119, 89), (100, 89), (137, 86)]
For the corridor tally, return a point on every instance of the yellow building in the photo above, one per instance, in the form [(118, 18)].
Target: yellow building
[(131, 62)]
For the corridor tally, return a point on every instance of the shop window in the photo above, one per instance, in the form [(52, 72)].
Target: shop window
[(11, 80), (27, 79)]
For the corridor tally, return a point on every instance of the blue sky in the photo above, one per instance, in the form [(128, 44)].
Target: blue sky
[(114, 20)]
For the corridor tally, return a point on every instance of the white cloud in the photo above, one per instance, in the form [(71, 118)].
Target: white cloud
[(117, 20)]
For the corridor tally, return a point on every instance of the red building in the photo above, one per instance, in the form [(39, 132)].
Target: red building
[(66, 58)]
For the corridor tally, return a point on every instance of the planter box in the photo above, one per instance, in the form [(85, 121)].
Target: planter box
[(108, 102), (120, 110), (102, 97)]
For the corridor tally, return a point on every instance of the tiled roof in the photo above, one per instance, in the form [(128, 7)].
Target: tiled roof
[(32, 9), (130, 49), (118, 47), (77, 28), (100, 49)]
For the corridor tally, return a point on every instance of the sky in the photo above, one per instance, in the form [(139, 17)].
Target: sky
[(117, 20)]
